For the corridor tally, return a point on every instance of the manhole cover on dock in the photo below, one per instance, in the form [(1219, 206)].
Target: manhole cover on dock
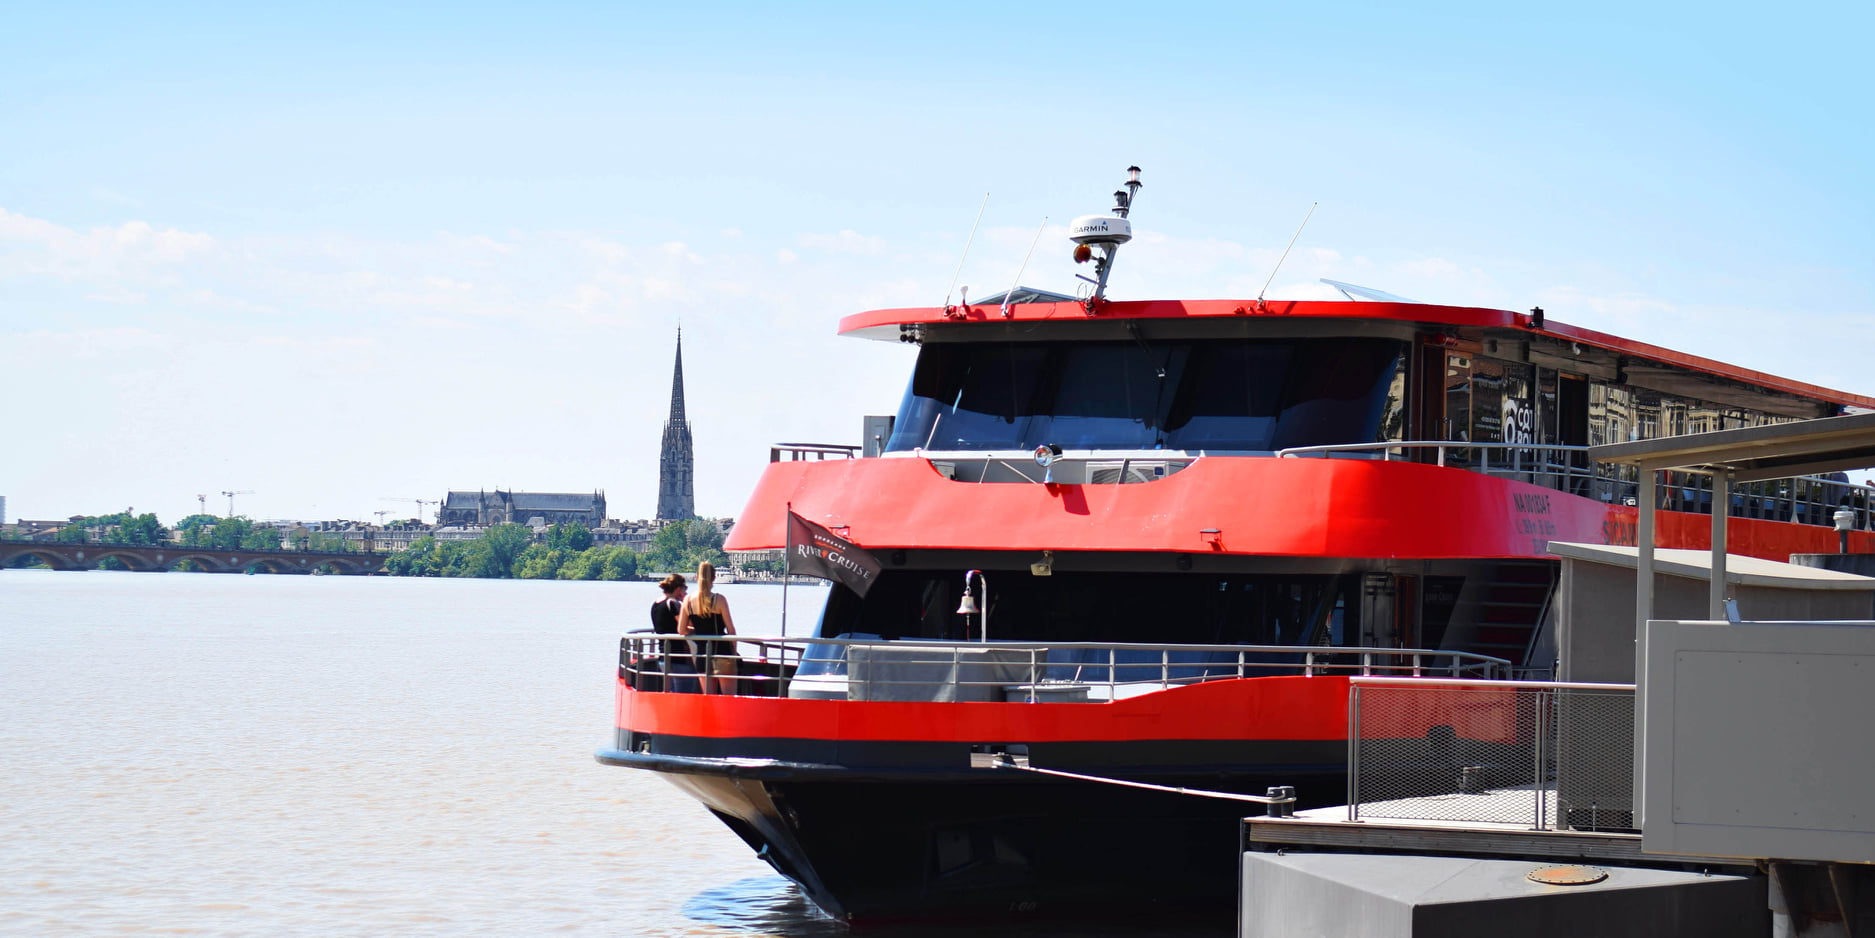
[(1567, 875)]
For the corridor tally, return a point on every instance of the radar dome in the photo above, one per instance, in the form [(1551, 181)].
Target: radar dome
[(1100, 229)]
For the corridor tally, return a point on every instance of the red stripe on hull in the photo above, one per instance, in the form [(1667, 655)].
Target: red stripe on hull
[(1343, 508), (1275, 708)]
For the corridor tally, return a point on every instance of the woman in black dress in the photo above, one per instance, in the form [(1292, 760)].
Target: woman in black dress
[(706, 615)]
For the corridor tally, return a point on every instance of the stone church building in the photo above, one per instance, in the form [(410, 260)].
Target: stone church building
[(676, 487), (498, 507)]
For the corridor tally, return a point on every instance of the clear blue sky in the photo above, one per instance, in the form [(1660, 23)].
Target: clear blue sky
[(338, 254)]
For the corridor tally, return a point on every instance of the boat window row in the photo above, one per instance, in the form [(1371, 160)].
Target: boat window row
[(1167, 608), (1492, 401), (1251, 395), (1536, 415), (1325, 611), (1236, 395)]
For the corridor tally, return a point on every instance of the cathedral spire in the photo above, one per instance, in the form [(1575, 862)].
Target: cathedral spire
[(676, 465), (677, 382)]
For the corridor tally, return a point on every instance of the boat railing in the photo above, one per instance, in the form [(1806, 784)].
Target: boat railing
[(1564, 464), (799, 451), (1024, 672), (1567, 468)]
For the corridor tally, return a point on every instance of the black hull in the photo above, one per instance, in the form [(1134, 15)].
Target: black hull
[(910, 844)]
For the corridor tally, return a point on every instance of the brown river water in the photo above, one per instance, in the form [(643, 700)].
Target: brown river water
[(197, 754)]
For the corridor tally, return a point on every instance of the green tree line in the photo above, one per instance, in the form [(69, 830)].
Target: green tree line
[(564, 552), (226, 533), (120, 528), (193, 531)]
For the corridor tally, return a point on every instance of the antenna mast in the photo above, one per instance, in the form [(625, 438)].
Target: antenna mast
[(1104, 233), (1025, 266), (965, 256), (1292, 244)]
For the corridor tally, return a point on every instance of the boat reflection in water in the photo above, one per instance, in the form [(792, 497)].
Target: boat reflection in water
[(770, 905), (1190, 522)]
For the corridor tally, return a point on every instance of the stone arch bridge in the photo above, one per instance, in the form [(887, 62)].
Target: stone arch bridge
[(167, 556)]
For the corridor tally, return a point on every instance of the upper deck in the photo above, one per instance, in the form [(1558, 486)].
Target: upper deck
[(1154, 391), (1565, 347)]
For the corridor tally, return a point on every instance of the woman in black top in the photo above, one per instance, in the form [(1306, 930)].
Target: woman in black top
[(664, 622), (706, 615)]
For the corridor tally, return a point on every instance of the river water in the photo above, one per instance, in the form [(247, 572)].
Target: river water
[(198, 754)]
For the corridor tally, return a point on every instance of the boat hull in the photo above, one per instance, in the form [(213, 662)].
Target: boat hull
[(898, 810), (902, 810), (925, 844)]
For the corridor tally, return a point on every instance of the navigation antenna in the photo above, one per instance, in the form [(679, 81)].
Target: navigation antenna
[(960, 261), (1105, 233), (1279, 261), (1025, 266)]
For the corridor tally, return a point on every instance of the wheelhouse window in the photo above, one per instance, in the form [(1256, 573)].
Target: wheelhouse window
[(1162, 608), (1218, 395)]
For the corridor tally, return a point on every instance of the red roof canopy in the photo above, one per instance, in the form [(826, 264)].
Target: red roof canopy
[(886, 324)]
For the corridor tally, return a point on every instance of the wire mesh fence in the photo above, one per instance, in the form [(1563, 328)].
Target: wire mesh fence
[(1544, 756)]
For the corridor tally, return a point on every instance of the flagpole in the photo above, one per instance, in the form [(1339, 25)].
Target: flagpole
[(787, 550)]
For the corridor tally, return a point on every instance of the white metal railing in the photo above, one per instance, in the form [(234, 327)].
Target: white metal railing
[(1553, 458), (1801, 499), (1567, 468), (1540, 755), (799, 451), (1029, 672)]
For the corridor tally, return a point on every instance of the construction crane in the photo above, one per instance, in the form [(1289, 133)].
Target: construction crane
[(231, 496), (420, 503), (203, 499), (381, 513)]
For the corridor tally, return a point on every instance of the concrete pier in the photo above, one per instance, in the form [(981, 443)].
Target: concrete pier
[(1351, 895)]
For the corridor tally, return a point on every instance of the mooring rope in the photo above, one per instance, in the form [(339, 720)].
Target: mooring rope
[(1006, 763)]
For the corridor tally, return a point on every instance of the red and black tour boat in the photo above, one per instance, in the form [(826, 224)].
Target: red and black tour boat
[(1149, 541)]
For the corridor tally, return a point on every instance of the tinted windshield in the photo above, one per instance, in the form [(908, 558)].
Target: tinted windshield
[(1108, 606), (1224, 394)]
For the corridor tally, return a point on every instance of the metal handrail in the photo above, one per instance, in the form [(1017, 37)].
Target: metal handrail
[(1537, 462), (1562, 467), (1026, 667), (1386, 448), (801, 451), (1494, 685)]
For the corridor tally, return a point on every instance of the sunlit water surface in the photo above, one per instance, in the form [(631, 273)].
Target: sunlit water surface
[(206, 754)]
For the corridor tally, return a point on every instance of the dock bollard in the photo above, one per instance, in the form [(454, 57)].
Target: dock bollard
[(1286, 807)]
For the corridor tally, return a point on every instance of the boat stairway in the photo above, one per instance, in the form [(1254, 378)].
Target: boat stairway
[(1512, 608)]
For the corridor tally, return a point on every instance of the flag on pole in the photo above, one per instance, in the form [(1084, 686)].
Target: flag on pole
[(816, 551)]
